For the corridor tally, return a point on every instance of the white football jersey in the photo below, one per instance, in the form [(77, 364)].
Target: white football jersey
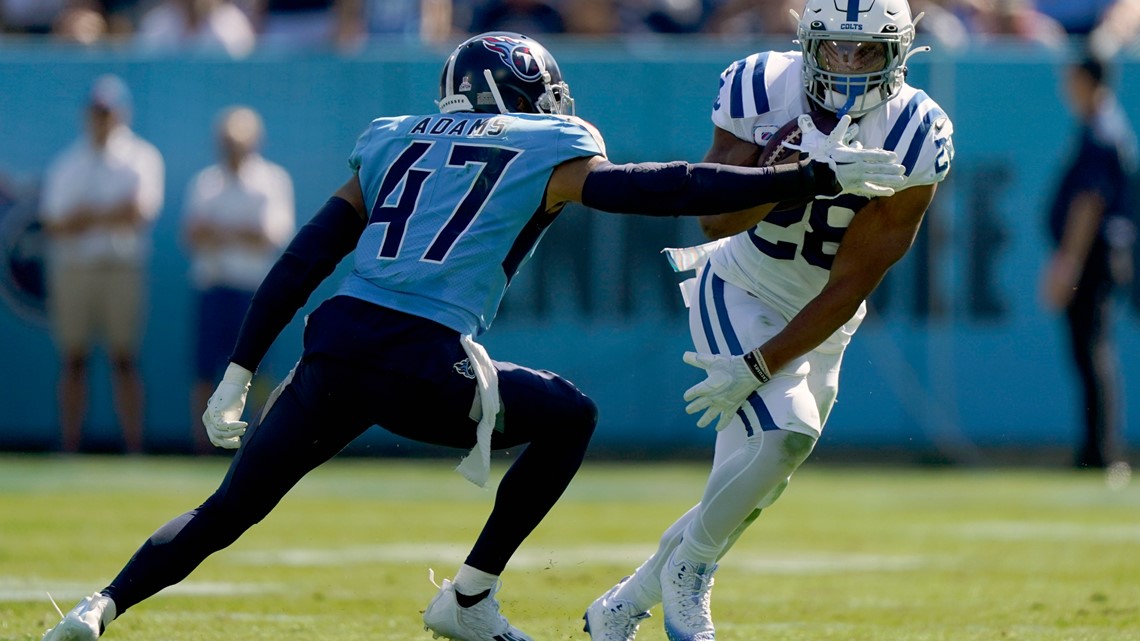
[(785, 260)]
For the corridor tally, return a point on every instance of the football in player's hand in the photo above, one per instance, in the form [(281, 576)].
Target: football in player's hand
[(775, 151)]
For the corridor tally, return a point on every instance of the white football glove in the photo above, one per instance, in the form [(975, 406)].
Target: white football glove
[(727, 386), (870, 173), (223, 411)]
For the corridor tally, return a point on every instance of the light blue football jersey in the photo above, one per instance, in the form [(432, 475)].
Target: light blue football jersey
[(455, 206)]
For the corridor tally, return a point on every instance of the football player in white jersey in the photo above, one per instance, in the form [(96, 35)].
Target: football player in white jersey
[(780, 292)]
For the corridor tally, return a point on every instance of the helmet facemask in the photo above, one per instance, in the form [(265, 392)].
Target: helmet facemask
[(853, 70)]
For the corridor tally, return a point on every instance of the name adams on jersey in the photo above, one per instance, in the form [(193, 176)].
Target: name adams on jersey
[(785, 259)]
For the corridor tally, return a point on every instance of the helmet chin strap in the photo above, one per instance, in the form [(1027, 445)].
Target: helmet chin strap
[(495, 91), (847, 106)]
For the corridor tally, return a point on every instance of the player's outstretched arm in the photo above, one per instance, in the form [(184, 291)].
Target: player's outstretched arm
[(312, 255), (727, 149), (870, 173), (680, 188)]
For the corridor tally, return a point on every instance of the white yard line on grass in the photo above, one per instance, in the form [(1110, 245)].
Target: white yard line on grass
[(574, 556), (1050, 531), (18, 589)]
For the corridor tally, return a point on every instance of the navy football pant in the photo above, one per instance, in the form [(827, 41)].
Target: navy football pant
[(332, 399), (1089, 319)]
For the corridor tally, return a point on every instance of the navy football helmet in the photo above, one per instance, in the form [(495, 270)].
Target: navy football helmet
[(501, 72)]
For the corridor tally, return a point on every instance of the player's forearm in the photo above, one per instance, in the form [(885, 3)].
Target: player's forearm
[(720, 226), (1081, 225), (122, 214), (308, 260), (813, 325), (702, 189)]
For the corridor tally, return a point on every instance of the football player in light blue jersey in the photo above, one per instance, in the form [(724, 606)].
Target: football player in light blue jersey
[(780, 291), (441, 210)]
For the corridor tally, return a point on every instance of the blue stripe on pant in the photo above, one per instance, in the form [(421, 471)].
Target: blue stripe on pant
[(712, 287)]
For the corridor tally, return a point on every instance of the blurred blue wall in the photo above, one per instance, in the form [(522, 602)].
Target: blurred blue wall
[(958, 355)]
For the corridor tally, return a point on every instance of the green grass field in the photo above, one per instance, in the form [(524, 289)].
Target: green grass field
[(847, 554)]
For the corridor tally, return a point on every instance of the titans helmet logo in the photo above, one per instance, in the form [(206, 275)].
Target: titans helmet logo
[(516, 55)]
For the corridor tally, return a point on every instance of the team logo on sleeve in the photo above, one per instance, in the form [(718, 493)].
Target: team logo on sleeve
[(516, 55)]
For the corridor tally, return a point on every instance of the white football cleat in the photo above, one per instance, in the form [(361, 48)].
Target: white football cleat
[(480, 622), (608, 619), (685, 595), (85, 622)]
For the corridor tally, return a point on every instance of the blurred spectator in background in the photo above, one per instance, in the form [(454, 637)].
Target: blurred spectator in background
[(120, 15), (239, 214), (1015, 20), (80, 24), (594, 18), (197, 25), (30, 16), (940, 23), (672, 16), (1089, 221), (1119, 28), (1075, 16), (309, 24), (532, 17), (423, 20), (748, 16), (100, 196)]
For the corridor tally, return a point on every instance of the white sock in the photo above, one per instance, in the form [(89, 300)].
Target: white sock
[(472, 581), (643, 589)]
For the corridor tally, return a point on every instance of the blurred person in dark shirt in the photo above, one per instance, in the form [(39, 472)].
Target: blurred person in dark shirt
[(1090, 225), (522, 16)]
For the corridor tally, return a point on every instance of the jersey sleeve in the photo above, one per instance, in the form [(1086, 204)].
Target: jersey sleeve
[(356, 157), (579, 139), (743, 95), (730, 94), (923, 139)]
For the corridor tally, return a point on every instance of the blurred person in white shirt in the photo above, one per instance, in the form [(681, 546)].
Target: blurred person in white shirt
[(204, 26), (99, 199), (239, 214)]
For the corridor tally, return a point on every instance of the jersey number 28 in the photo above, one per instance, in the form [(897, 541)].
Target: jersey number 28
[(818, 235)]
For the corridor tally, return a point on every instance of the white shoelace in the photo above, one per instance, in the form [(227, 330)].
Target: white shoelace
[(696, 610), (627, 623)]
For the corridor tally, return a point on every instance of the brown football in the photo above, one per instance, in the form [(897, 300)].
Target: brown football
[(775, 153)]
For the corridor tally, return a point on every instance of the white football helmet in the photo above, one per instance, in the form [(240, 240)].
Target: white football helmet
[(855, 52)]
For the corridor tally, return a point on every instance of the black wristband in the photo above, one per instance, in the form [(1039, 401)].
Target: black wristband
[(755, 362), (824, 178)]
